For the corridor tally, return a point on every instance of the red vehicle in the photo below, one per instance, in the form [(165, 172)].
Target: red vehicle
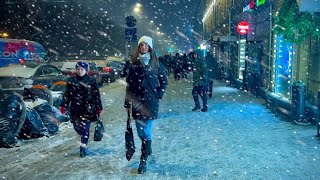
[(69, 68)]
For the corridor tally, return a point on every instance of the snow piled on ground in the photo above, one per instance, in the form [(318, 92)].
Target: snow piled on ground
[(238, 138)]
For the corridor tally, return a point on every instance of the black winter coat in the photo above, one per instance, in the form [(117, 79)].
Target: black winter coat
[(82, 94), (145, 86)]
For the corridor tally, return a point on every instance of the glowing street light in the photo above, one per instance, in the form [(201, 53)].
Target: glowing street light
[(4, 35), (137, 8)]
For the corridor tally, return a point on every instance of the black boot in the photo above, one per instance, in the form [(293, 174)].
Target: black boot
[(205, 108), (143, 159), (196, 108), (83, 152), (142, 167), (149, 147)]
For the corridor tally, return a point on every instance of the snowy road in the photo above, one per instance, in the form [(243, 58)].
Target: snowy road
[(238, 138)]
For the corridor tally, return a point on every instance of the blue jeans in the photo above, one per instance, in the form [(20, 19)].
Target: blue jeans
[(144, 128)]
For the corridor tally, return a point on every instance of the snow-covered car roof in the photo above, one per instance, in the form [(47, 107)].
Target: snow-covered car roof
[(17, 71), (68, 66), (115, 58)]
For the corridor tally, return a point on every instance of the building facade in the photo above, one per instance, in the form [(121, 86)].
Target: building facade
[(276, 52)]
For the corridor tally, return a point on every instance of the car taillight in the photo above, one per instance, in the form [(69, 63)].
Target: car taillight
[(21, 61), (107, 69)]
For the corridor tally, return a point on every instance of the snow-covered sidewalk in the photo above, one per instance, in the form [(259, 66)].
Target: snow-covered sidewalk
[(238, 138)]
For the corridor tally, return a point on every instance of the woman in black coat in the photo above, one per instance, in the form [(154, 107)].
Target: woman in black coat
[(146, 83), (83, 97)]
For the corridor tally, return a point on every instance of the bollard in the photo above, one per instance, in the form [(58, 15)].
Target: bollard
[(298, 101)]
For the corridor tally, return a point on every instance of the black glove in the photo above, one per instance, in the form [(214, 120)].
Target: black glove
[(160, 93)]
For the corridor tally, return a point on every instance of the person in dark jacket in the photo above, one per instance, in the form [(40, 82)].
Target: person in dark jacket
[(146, 83), (177, 67), (210, 64), (82, 98), (200, 83)]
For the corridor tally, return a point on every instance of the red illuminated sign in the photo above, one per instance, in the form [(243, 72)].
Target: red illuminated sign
[(243, 28)]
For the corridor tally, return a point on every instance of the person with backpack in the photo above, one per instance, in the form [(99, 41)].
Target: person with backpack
[(146, 83), (82, 98)]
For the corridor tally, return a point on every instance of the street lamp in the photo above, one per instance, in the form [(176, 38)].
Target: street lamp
[(4, 35), (137, 9)]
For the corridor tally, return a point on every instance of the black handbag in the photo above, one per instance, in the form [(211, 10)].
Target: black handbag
[(99, 131), (129, 140)]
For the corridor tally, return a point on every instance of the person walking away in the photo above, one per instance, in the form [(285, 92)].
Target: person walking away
[(146, 83), (184, 66), (82, 98), (200, 83), (177, 67), (210, 65)]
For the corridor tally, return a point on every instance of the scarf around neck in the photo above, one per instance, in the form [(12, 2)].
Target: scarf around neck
[(144, 58)]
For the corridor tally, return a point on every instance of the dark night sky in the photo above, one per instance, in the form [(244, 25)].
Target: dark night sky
[(173, 17), (65, 26)]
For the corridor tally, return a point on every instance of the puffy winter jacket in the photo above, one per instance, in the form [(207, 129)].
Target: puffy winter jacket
[(145, 86), (82, 93)]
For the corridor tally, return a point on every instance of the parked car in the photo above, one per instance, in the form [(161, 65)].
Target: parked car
[(108, 74), (112, 71), (19, 76), (69, 69), (117, 67)]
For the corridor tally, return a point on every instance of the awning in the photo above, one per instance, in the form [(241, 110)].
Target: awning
[(224, 38), (309, 5)]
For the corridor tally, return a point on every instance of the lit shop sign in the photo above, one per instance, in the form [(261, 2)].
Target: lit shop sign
[(243, 27)]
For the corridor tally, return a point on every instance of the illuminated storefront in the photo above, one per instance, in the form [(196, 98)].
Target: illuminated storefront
[(242, 57), (282, 75)]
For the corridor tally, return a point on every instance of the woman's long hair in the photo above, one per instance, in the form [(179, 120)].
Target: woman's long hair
[(154, 62)]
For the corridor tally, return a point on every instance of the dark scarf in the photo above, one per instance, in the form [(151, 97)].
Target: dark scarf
[(81, 78)]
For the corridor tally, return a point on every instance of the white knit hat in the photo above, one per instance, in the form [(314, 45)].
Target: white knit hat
[(146, 39)]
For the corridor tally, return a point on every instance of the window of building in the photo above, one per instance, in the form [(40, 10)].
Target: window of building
[(283, 67)]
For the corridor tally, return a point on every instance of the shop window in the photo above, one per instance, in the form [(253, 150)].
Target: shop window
[(283, 68), (242, 57)]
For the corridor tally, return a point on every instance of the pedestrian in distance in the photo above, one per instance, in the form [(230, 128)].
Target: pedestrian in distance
[(210, 65), (200, 83), (177, 67), (146, 83), (82, 98), (184, 66)]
